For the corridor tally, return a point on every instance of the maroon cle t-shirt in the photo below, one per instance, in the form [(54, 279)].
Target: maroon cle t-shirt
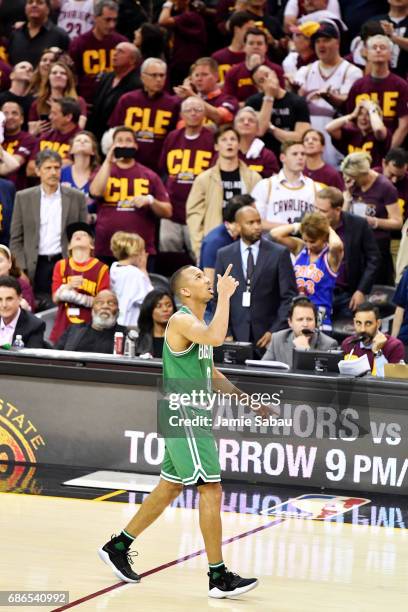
[(182, 159), (239, 83), (326, 175), (226, 58), (116, 213), (56, 141), (353, 140), (22, 144), (374, 202), (265, 164), (151, 118), (391, 94), (92, 57)]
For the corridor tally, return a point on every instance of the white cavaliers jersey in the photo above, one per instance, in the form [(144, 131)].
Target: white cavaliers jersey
[(76, 16), (313, 78), (278, 202)]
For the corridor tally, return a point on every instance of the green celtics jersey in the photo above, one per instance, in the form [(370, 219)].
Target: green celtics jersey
[(195, 364)]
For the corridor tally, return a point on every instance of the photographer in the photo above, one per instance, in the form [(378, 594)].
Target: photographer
[(130, 196), (302, 333)]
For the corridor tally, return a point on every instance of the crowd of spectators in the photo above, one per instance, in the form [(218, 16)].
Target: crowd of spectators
[(136, 138)]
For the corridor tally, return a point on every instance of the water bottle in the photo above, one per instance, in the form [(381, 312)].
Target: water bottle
[(130, 343), (18, 342)]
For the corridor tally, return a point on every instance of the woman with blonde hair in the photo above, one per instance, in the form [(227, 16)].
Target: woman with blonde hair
[(60, 83), (372, 196), (319, 253), (129, 278)]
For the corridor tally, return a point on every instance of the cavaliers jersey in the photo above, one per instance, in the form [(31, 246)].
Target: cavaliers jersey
[(316, 280), (278, 202), (76, 16), (95, 278)]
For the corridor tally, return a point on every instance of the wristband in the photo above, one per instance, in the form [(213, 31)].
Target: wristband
[(150, 199), (269, 98), (167, 4)]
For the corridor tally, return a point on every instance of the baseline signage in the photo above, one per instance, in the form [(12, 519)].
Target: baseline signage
[(337, 434)]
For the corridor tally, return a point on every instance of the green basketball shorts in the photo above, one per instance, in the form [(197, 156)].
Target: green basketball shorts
[(191, 454)]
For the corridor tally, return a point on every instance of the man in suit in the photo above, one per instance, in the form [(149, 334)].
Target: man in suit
[(356, 275), (14, 321), (98, 336), (302, 333), (38, 226), (267, 284)]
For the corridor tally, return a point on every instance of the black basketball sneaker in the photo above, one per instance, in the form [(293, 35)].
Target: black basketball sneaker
[(229, 584), (119, 561)]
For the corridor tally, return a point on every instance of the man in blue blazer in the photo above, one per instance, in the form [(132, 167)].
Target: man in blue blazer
[(267, 285)]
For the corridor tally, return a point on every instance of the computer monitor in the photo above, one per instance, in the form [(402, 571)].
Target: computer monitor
[(233, 352), (316, 361)]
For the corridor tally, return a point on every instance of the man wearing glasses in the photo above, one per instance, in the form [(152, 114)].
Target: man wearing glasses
[(150, 112), (186, 153)]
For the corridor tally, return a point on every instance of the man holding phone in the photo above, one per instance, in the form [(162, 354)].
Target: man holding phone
[(129, 196)]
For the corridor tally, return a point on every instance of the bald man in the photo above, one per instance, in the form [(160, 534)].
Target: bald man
[(98, 336), (266, 278), (124, 78)]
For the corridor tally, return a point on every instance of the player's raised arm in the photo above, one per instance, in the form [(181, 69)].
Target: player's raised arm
[(189, 326)]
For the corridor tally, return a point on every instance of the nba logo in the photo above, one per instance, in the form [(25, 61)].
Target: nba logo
[(316, 507)]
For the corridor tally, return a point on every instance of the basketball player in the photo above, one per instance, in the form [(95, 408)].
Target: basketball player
[(193, 458)]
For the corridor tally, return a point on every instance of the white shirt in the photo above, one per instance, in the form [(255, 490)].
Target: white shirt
[(7, 331), (76, 16), (131, 286), (340, 78), (278, 201), (292, 8), (50, 223), (245, 252)]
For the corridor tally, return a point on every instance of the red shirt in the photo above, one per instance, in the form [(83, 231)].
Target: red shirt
[(390, 93), (115, 213), (393, 350), (22, 144), (96, 279), (226, 58), (327, 175), (56, 141), (182, 159), (239, 83), (92, 57), (266, 163), (151, 118)]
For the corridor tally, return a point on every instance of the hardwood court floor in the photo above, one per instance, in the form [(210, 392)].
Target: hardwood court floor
[(50, 543)]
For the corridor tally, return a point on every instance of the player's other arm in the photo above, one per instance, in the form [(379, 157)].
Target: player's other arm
[(213, 334)]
